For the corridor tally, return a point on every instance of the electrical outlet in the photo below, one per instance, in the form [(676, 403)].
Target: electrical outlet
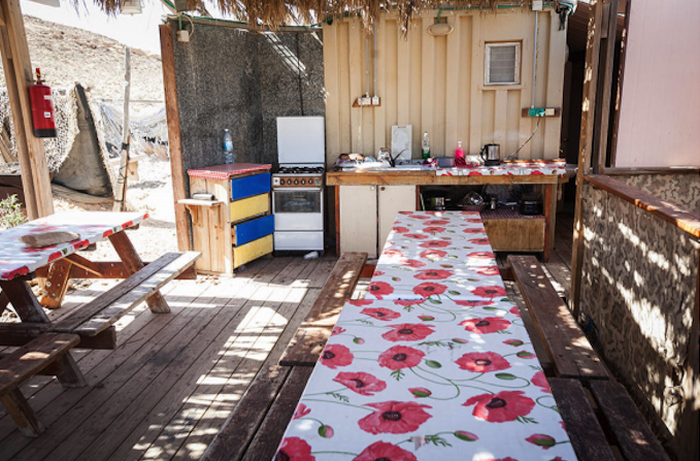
[(536, 112), (375, 101), (537, 5), (367, 101), (550, 112)]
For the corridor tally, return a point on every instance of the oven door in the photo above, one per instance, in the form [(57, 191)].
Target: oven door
[(297, 209)]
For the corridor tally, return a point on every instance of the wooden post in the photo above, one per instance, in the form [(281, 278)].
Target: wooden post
[(167, 54), (605, 91), (18, 76), (120, 196), (586, 144)]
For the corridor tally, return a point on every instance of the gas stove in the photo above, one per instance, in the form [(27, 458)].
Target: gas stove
[(298, 176)]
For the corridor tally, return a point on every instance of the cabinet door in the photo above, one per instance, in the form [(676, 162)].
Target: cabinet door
[(358, 219), (393, 199)]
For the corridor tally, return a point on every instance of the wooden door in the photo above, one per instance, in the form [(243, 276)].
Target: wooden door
[(393, 199), (358, 219)]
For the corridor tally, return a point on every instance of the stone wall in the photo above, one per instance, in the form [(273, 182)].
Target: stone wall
[(240, 80), (681, 189), (639, 285)]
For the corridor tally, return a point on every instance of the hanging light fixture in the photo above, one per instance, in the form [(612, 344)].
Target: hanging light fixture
[(132, 7)]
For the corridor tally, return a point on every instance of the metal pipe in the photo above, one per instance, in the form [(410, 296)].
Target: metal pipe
[(367, 64), (534, 64), (375, 57)]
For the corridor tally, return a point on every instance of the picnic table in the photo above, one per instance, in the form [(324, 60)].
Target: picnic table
[(434, 364), (91, 325)]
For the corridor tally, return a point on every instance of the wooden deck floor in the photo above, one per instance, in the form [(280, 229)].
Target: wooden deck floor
[(174, 379)]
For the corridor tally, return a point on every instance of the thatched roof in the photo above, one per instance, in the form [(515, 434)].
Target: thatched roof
[(273, 13)]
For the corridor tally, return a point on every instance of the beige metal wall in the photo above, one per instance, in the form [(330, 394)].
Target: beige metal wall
[(436, 84)]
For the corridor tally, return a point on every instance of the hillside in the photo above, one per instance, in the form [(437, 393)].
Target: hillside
[(67, 55)]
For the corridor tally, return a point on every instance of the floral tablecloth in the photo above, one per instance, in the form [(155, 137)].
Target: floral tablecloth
[(506, 169), (16, 258), (439, 255), (423, 382)]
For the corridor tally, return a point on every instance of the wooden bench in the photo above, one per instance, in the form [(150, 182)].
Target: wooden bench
[(604, 422), (17, 367), (257, 424), (96, 318), (564, 341)]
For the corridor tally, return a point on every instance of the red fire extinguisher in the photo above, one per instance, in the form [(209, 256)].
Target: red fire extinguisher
[(42, 108)]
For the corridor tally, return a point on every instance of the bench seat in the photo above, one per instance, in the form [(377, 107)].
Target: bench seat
[(25, 362), (100, 314)]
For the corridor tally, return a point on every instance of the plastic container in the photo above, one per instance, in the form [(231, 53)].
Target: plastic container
[(228, 147), (459, 152), (425, 146)]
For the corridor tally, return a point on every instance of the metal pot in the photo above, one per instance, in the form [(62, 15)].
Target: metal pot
[(530, 207)]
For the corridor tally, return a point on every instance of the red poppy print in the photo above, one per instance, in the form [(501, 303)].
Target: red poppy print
[(9, 275), (391, 253), (474, 173), (301, 411), (337, 331), (294, 449), (421, 217), (384, 451), (107, 233), (400, 357), (381, 313), (541, 440), (400, 229), (540, 381), (474, 220), (416, 236), (380, 289), (433, 254), (394, 417), (336, 355), (435, 244), (501, 407), (360, 302), (485, 325), (412, 263), (515, 311), (482, 362), (481, 241), (378, 273), (434, 230), (474, 230), (428, 289), (408, 332), (489, 292), (537, 173), (408, 302), (481, 255), (55, 255), (362, 383), (473, 303), (436, 222), (488, 271), (433, 274)]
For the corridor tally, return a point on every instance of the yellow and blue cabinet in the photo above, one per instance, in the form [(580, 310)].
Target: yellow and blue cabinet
[(237, 226)]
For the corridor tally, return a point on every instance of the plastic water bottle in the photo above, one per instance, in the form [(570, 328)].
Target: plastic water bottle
[(228, 147), (425, 146)]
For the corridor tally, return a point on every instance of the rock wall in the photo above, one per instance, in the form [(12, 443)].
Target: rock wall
[(639, 285), (240, 80)]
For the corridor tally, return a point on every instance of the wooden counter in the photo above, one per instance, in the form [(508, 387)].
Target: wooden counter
[(427, 178)]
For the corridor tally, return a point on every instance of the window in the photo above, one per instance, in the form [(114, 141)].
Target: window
[(502, 65)]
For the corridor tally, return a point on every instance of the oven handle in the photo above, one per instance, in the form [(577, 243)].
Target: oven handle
[(289, 189)]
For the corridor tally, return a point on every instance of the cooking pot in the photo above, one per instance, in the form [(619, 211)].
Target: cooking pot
[(530, 206)]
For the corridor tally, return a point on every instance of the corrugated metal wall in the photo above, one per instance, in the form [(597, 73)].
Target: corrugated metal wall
[(436, 84)]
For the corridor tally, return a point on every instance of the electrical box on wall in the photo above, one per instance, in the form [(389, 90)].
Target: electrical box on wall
[(541, 112), (367, 101)]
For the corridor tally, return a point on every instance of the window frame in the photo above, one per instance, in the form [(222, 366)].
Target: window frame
[(487, 62)]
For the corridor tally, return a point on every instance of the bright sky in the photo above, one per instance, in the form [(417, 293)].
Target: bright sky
[(137, 31)]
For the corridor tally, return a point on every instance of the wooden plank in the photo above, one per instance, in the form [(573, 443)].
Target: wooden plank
[(23, 301), (83, 263), (111, 270), (308, 343), (606, 73), (586, 435), (19, 74), (428, 178), (635, 439), (685, 220), (132, 261), (269, 434), (94, 307), (26, 361), (21, 413), (19, 334), (124, 304), (566, 344), (585, 144), (172, 111), (56, 284)]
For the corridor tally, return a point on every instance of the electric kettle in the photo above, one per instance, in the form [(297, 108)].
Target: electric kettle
[(491, 154)]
